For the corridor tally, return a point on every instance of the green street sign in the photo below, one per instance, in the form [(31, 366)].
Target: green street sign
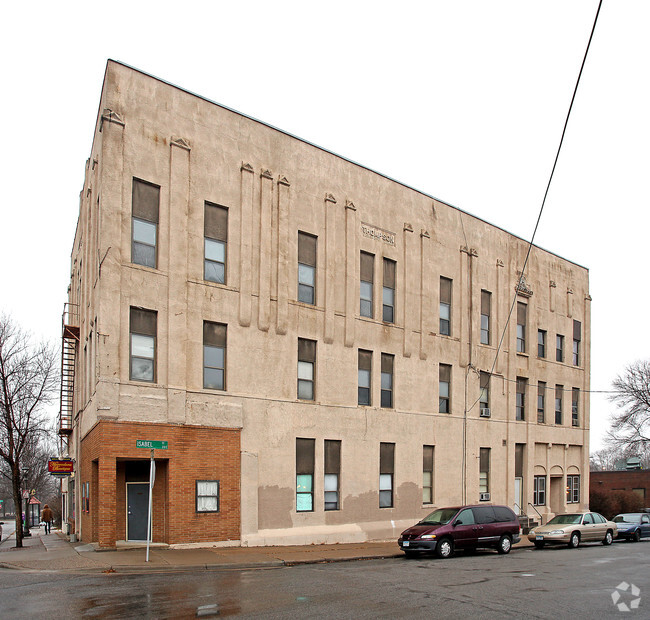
[(151, 445)]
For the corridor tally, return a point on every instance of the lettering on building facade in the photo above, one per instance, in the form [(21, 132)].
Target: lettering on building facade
[(368, 230)]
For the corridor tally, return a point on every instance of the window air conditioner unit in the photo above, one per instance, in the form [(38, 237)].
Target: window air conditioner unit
[(485, 412), (484, 497)]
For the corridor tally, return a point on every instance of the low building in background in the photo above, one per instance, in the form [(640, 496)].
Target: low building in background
[(327, 353)]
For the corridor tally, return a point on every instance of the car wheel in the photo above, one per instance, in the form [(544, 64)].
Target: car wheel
[(444, 548), (636, 537), (574, 541), (505, 544), (539, 544), (609, 538)]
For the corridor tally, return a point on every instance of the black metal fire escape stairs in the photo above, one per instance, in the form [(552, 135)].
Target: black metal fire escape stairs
[(69, 346)]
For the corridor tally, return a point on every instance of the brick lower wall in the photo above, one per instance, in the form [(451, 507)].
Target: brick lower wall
[(194, 453), (621, 480)]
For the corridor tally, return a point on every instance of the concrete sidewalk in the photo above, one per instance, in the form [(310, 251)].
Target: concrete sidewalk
[(53, 552)]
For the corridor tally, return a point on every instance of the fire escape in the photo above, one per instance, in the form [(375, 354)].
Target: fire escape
[(70, 323)]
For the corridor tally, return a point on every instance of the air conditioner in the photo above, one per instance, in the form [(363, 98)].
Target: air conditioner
[(485, 412), (484, 497)]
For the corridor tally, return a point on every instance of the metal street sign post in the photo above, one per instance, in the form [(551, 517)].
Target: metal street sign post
[(151, 445)]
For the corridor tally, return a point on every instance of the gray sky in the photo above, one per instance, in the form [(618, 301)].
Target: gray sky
[(463, 100)]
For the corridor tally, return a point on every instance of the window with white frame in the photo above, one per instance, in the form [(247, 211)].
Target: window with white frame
[(486, 307), (305, 474), (387, 362), (386, 473), (143, 326), (332, 474), (215, 231), (367, 277), (388, 292), (573, 489), (484, 470), (539, 490), (214, 355), (145, 200), (207, 496), (427, 474), (445, 306), (306, 368), (306, 268), (365, 378), (522, 311)]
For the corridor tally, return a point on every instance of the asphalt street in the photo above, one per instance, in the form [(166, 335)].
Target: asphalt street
[(552, 583)]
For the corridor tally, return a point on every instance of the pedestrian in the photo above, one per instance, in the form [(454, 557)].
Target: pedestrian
[(47, 517)]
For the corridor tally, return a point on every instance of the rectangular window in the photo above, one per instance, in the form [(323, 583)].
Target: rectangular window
[(577, 337), (484, 470), (539, 490), (366, 289), (445, 306), (558, 403), (559, 348), (575, 399), (573, 489), (541, 402), (145, 200), (486, 306), (305, 474), (214, 356), (387, 380), (444, 388), (143, 326), (365, 376), (520, 404), (388, 294), (484, 397), (386, 473), (207, 496), (306, 368), (522, 311), (306, 268), (332, 473), (427, 474), (541, 343), (215, 233)]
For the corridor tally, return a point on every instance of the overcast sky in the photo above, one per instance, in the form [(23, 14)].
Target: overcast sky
[(464, 100)]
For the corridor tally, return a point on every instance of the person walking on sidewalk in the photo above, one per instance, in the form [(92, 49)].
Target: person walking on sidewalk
[(47, 517)]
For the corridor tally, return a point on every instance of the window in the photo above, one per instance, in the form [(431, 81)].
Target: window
[(572, 489), (388, 295), (145, 199), (367, 278), (539, 491), (306, 366), (143, 345), (215, 231), (486, 304), (541, 343), (541, 402), (305, 474), (558, 403), (427, 474), (484, 470), (444, 388), (306, 268), (445, 306), (577, 336), (522, 310), (520, 404), (386, 473), (484, 397), (207, 496), (559, 348), (387, 380), (365, 374), (332, 473), (214, 356), (575, 398)]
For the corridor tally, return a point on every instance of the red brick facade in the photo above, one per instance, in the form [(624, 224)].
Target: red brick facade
[(637, 481), (194, 453)]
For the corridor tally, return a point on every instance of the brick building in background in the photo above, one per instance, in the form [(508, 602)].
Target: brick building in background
[(315, 342), (634, 481)]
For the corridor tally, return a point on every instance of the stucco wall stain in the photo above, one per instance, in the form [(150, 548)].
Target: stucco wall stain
[(274, 507)]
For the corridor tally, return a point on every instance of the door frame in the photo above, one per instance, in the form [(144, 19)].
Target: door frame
[(127, 512)]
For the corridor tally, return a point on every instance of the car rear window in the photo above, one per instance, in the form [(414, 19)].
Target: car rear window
[(503, 513)]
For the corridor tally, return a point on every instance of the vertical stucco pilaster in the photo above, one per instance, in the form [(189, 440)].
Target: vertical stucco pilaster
[(427, 316), (330, 263), (500, 313), (245, 245), (409, 303), (177, 321), (464, 293), (266, 202), (351, 271), (114, 223), (107, 491), (249, 496), (552, 286), (585, 402), (283, 203), (569, 303)]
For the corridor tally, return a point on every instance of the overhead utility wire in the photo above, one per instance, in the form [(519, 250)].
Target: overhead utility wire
[(548, 185)]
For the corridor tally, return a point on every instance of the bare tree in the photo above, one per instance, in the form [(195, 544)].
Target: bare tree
[(28, 381)]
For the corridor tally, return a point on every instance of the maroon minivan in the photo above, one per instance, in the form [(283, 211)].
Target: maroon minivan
[(465, 527)]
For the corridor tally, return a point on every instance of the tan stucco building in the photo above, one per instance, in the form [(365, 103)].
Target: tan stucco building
[(316, 343)]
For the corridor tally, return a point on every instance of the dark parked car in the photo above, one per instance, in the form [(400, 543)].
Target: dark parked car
[(464, 527), (633, 525)]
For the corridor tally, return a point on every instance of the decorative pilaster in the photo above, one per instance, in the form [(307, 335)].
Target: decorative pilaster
[(284, 198), (266, 201), (351, 272), (245, 245), (330, 271), (427, 317), (409, 306)]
